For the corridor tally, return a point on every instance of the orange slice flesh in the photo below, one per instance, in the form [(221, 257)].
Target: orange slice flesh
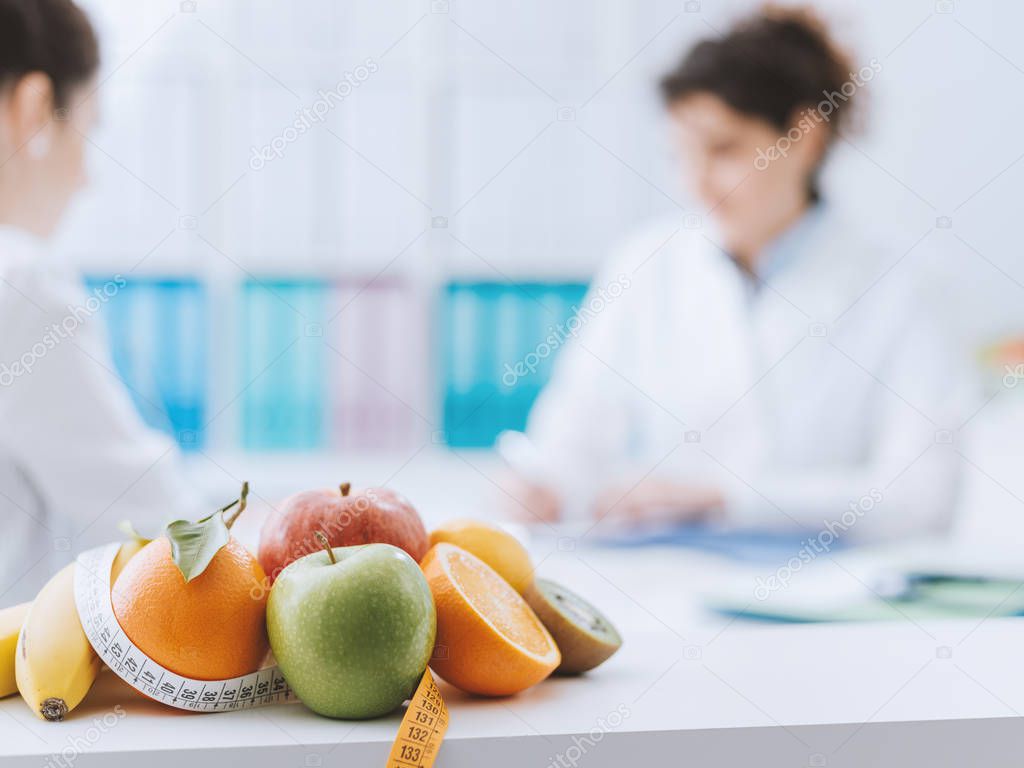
[(496, 603), (489, 641)]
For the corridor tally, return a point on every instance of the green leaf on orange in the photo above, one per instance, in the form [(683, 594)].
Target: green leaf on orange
[(194, 544)]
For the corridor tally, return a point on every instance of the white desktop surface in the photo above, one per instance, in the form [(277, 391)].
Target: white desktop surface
[(691, 687)]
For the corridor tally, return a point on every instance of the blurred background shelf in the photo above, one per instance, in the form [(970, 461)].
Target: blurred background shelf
[(448, 207), (324, 364)]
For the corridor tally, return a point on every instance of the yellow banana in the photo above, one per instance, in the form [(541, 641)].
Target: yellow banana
[(11, 620), (127, 551), (54, 663)]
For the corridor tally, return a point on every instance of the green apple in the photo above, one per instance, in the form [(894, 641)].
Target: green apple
[(352, 629)]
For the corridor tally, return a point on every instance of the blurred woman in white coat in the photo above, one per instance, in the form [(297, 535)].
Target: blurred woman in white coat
[(764, 366), (75, 458)]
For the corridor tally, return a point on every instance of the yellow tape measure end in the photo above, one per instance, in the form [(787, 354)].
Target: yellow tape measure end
[(423, 727)]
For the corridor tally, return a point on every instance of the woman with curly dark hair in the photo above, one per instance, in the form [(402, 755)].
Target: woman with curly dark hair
[(763, 364)]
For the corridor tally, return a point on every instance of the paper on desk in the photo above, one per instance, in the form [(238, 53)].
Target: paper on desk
[(855, 588), (746, 546)]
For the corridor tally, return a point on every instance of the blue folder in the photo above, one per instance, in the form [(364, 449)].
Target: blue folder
[(157, 332), (283, 368), (487, 327)]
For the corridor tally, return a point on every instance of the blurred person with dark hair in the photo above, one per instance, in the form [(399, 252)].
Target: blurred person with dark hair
[(766, 365), (72, 446)]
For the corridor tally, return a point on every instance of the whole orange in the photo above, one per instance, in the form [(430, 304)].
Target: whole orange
[(210, 628)]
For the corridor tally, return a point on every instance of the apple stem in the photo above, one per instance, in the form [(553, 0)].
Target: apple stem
[(322, 540), (345, 488), (241, 501)]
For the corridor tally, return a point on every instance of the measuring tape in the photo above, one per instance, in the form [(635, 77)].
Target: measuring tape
[(419, 736), (422, 729), (92, 597)]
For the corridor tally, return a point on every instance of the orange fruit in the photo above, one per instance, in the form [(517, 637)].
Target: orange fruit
[(210, 628), (496, 547), (489, 641)]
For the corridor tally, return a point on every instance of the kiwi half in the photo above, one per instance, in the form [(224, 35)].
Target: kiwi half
[(584, 636)]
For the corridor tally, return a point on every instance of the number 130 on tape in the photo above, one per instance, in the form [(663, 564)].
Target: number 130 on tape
[(416, 744)]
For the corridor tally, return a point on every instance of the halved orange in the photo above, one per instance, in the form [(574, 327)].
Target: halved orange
[(489, 641)]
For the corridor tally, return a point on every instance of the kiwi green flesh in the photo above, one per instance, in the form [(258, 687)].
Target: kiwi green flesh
[(585, 637)]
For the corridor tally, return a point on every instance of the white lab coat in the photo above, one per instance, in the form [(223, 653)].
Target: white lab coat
[(826, 386), (75, 457)]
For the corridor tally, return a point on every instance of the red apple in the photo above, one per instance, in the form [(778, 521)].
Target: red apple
[(371, 516)]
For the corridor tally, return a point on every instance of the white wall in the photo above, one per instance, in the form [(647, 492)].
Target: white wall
[(461, 121)]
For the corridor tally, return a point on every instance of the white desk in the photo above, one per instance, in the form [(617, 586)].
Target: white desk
[(689, 690), (699, 690)]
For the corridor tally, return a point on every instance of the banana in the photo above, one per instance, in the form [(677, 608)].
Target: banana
[(127, 551), (11, 620), (54, 663)]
